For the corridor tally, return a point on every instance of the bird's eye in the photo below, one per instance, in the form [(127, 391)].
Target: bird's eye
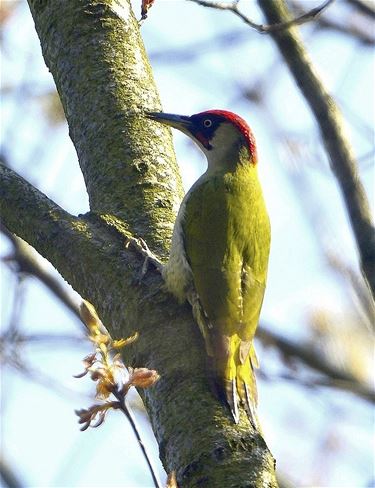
[(207, 123)]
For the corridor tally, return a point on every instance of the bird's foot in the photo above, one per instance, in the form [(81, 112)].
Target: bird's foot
[(149, 258)]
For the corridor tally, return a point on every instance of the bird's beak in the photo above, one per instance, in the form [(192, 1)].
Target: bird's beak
[(181, 122)]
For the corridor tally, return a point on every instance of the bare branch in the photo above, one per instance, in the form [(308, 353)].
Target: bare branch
[(130, 416), (8, 475), (266, 28), (336, 377), (28, 262), (62, 340), (364, 7), (315, 383), (352, 30), (195, 49), (353, 27)]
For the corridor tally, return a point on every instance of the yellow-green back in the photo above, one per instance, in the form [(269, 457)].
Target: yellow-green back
[(227, 240)]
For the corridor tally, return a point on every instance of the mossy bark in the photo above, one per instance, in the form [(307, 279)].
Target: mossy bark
[(101, 71), (96, 56)]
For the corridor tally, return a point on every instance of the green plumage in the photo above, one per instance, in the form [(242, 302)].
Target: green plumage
[(227, 239)]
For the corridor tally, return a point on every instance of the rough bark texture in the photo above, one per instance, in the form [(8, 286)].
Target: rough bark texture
[(331, 126), (95, 54), (98, 61)]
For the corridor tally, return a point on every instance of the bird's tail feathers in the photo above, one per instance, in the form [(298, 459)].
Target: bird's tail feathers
[(229, 391), (247, 390), (236, 384)]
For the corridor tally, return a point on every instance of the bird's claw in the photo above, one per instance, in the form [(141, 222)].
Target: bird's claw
[(140, 245)]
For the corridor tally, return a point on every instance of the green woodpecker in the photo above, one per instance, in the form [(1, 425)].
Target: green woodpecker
[(220, 248)]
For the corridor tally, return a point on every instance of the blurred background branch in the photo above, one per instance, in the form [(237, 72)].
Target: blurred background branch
[(365, 6), (26, 260), (308, 16), (8, 476), (310, 356)]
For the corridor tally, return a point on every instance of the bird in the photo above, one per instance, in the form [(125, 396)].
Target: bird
[(220, 250)]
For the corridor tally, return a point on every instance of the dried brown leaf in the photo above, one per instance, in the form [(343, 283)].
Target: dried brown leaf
[(143, 377)]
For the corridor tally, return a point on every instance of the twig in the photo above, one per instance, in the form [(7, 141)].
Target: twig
[(18, 300), (314, 383), (56, 339), (130, 416), (107, 369), (39, 377), (266, 28), (350, 28)]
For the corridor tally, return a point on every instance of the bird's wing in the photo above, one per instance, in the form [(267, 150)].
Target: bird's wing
[(252, 292), (227, 246), (226, 240), (212, 254)]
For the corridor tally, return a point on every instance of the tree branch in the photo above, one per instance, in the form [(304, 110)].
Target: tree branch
[(28, 263), (8, 475), (364, 7), (334, 376), (351, 28), (331, 125), (35, 217), (266, 28)]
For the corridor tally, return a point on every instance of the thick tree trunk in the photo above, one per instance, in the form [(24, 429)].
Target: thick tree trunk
[(96, 56)]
